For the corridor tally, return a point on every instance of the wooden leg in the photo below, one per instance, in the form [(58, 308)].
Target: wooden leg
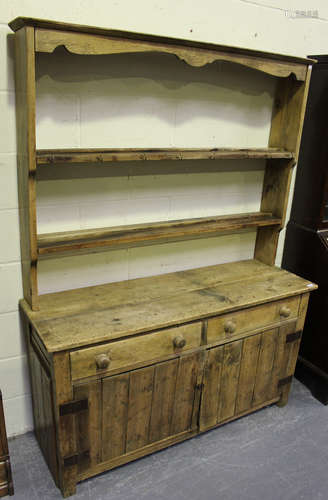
[(67, 487), (284, 396)]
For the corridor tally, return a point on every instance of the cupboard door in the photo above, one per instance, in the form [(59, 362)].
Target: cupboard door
[(244, 374), (134, 409), (149, 404)]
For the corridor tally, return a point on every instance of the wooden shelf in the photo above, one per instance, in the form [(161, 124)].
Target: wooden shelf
[(68, 156), (150, 233)]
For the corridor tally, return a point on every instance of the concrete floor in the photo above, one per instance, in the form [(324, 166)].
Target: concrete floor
[(276, 453)]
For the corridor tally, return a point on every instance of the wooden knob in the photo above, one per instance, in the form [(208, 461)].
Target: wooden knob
[(179, 342), (284, 311), (229, 326), (102, 361)]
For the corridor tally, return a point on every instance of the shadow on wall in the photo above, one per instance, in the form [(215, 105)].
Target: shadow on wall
[(149, 100)]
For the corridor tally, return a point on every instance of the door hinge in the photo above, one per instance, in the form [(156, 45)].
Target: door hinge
[(73, 407), (76, 459), (285, 381), (293, 336)]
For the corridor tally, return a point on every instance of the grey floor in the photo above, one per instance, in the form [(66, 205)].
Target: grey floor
[(276, 453)]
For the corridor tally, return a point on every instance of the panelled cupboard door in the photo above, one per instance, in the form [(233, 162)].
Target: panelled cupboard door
[(137, 408), (244, 374)]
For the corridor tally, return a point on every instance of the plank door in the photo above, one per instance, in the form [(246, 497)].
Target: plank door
[(134, 409), (244, 374)]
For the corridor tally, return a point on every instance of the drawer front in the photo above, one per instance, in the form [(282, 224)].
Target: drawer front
[(134, 351), (231, 325)]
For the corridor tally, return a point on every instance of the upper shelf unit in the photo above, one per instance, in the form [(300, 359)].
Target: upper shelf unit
[(97, 41), (292, 74), (69, 156)]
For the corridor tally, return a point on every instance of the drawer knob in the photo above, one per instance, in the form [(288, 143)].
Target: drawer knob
[(285, 311), (179, 342), (102, 361), (229, 326)]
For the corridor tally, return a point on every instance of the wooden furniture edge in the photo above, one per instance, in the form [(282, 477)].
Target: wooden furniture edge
[(26, 161), (20, 22), (68, 156), (150, 233)]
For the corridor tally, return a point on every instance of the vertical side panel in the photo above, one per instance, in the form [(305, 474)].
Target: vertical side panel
[(288, 113), (277, 372), (114, 415), (183, 412), (264, 389), (48, 429), (88, 423), (229, 380), (163, 400), (276, 186), (35, 373), (285, 352), (302, 311), (66, 424), (25, 123), (248, 369), (286, 130), (291, 350), (139, 411), (211, 388), (43, 406)]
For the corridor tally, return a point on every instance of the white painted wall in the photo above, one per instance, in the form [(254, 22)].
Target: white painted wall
[(144, 102)]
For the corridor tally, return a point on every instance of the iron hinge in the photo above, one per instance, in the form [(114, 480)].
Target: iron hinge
[(73, 407), (76, 459), (293, 336), (285, 381)]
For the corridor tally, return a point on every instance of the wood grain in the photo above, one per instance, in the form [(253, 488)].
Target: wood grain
[(26, 160), (66, 425), (247, 375), (53, 157), (19, 22), (140, 399), (163, 400), (263, 390), (212, 385), (129, 353), (250, 319), (118, 314), (229, 380), (290, 353), (85, 43), (52, 244), (190, 367), (286, 130), (88, 423), (115, 399)]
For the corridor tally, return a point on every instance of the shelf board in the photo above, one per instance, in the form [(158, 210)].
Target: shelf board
[(68, 156), (50, 244)]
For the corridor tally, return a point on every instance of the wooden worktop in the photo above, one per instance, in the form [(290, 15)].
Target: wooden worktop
[(85, 316)]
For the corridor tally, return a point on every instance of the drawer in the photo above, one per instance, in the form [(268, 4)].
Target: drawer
[(233, 324), (119, 355)]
